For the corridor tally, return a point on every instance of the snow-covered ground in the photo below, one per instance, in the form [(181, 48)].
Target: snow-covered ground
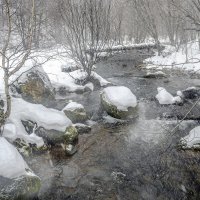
[(170, 58)]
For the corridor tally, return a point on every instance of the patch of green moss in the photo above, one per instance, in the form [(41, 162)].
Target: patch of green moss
[(71, 134)]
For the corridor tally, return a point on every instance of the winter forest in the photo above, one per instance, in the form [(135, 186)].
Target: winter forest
[(99, 99)]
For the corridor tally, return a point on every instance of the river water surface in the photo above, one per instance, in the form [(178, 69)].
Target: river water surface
[(135, 161)]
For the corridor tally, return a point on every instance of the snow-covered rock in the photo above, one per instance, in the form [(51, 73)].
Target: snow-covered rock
[(35, 86), (49, 119), (20, 181), (192, 140), (76, 112), (118, 101), (165, 98), (190, 93), (71, 82)]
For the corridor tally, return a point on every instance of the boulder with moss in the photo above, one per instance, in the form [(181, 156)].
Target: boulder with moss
[(118, 101), (35, 87), (75, 112), (53, 137)]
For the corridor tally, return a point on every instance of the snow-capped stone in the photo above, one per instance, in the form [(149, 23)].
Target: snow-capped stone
[(76, 112), (118, 101), (192, 140), (165, 98)]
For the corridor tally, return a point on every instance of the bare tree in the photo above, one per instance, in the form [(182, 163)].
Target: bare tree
[(86, 30), (12, 52)]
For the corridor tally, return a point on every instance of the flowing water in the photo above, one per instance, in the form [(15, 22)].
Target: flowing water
[(139, 160)]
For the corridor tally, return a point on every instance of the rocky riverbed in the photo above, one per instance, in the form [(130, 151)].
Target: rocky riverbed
[(140, 159)]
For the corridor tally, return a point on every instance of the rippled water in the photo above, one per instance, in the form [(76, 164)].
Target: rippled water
[(135, 161)]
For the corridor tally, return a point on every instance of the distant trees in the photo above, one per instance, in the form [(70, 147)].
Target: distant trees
[(146, 11)]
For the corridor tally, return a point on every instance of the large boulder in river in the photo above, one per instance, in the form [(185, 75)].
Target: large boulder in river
[(75, 112), (17, 181), (118, 101), (35, 87)]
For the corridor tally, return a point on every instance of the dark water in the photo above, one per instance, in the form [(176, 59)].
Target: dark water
[(129, 162)]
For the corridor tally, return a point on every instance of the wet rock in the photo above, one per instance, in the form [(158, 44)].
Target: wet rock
[(82, 128), (113, 121), (35, 87), (28, 125), (190, 93), (24, 187), (53, 137), (158, 74), (75, 112), (118, 102), (22, 147), (28, 149)]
